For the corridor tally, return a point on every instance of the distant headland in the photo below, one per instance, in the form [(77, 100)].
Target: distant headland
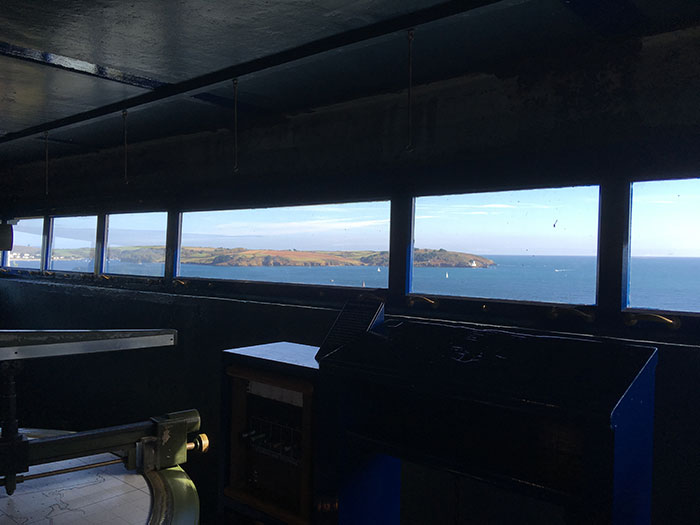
[(249, 257), (245, 257)]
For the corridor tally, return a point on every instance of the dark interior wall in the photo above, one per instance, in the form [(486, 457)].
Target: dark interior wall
[(625, 107), (79, 393)]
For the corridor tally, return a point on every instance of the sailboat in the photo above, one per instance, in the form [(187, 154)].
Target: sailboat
[(447, 275)]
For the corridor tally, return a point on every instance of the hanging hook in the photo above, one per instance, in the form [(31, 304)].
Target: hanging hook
[(126, 149), (46, 163), (410, 34), (235, 125)]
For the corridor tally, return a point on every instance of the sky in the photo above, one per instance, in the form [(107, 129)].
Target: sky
[(355, 226), (666, 219), (562, 221)]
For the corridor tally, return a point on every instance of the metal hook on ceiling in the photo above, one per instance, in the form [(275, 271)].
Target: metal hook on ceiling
[(235, 125), (411, 35), (126, 148), (46, 163)]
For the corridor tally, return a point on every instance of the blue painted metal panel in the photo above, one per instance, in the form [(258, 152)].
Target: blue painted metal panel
[(372, 494), (632, 421)]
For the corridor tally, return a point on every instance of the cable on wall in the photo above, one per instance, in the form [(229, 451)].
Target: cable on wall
[(126, 147), (235, 125), (410, 34), (46, 163)]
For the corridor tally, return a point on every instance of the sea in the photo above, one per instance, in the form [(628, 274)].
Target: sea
[(666, 283)]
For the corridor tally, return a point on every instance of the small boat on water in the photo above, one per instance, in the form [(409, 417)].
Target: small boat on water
[(447, 275)]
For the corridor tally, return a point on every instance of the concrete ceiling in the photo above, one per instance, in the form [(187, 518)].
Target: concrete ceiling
[(70, 66)]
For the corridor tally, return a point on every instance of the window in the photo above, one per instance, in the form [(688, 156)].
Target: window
[(665, 245), (73, 244), (528, 245), (339, 244), (27, 245), (136, 243)]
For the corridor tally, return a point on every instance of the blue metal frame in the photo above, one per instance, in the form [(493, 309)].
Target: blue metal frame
[(632, 421)]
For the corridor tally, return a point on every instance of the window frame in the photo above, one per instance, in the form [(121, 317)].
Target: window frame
[(609, 316), (253, 283), (49, 245), (5, 259), (103, 239), (533, 302)]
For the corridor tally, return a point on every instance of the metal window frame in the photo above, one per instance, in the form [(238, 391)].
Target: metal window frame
[(178, 236), (608, 316), (49, 231), (103, 241), (5, 255)]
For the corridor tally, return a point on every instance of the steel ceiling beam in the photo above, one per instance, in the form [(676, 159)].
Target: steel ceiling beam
[(82, 67), (75, 65), (322, 45)]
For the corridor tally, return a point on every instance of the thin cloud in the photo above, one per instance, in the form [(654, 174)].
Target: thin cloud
[(477, 206), (534, 206), (294, 227)]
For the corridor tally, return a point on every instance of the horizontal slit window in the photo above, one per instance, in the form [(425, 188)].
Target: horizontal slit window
[(27, 244), (73, 244), (136, 244), (528, 245), (335, 245), (665, 245)]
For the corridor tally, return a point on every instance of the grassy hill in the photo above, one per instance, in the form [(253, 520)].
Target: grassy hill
[(245, 257)]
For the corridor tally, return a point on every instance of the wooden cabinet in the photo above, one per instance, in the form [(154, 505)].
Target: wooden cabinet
[(271, 431)]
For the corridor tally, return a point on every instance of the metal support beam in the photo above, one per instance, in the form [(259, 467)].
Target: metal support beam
[(322, 45), (613, 248), (101, 243), (75, 65), (401, 248), (172, 242), (46, 240)]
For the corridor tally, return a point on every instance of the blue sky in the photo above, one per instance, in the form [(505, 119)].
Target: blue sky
[(355, 226), (666, 218), (564, 221)]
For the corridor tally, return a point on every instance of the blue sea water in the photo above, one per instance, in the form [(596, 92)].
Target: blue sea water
[(520, 278), (665, 283), (655, 282), (371, 276)]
